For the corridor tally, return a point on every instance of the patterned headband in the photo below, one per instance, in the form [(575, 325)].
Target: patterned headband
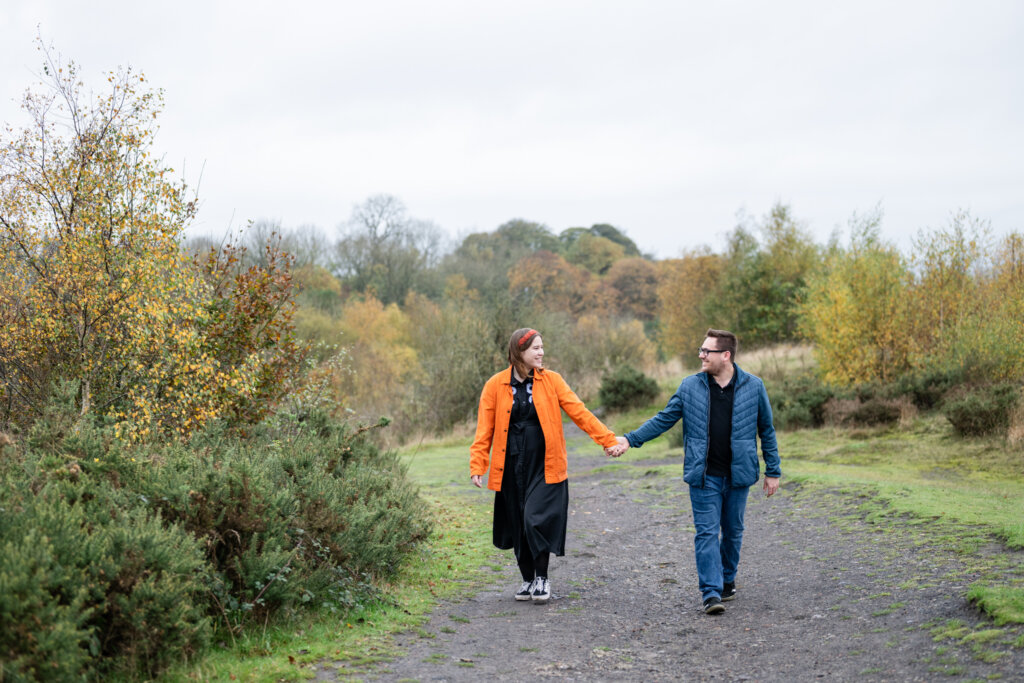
[(526, 337)]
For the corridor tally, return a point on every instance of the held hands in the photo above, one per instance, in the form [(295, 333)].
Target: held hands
[(621, 447)]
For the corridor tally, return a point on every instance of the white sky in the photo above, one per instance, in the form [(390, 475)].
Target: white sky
[(664, 118)]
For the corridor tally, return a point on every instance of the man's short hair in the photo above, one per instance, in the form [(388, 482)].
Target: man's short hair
[(726, 341)]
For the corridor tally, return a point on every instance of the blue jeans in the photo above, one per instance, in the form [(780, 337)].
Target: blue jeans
[(717, 508)]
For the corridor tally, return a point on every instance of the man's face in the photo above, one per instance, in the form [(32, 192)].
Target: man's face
[(716, 361)]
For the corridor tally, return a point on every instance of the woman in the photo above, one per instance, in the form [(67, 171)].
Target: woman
[(519, 425)]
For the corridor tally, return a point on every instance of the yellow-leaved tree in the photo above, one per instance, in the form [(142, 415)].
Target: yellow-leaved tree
[(685, 283), (856, 309), (1005, 289), (89, 223), (968, 297), (96, 289)]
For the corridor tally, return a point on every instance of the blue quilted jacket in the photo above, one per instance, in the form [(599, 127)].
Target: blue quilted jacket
[(751, 418)]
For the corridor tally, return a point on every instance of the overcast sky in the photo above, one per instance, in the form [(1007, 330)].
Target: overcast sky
[(664, 118)]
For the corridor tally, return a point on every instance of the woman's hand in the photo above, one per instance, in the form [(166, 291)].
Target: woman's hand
[(477, 479), (621, 447)]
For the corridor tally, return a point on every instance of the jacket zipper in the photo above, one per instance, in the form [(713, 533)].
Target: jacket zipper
[(707, 436), (707, 428)]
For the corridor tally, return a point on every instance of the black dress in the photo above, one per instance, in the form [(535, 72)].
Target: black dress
[(527, 508)]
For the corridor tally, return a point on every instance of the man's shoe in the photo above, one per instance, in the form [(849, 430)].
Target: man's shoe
[(713, 605), (728, 591), (525, 591), (541, 590)]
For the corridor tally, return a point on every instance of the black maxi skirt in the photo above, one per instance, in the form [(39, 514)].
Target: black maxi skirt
[(527, 506)]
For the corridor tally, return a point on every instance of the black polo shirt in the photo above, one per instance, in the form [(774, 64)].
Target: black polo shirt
[(720, 427)]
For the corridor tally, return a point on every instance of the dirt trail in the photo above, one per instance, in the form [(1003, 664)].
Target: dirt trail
[(821, 595)]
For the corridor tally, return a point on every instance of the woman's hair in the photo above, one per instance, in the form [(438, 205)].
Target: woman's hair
[(520, 341)]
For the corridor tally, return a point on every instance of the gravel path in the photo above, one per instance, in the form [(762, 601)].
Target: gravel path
[(822, 595)]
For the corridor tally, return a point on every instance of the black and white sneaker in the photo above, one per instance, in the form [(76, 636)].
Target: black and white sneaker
[(728, 591), (541, 590), (525, 591), (713, 606)]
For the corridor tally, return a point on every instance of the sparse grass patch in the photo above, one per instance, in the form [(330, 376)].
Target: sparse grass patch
[(889, 610), (984, 636), (1005, 604), (952, 629)]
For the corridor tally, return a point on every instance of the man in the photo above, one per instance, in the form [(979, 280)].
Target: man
[(724, 410)]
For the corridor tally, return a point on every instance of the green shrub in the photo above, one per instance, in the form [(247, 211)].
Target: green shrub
[(113, 559), (44, 602), (928, 388), (285, 526), (983, 411), (627, 387), (799, 402), (88, 586)]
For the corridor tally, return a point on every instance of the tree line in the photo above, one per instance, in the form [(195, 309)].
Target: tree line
[(416, 342), (162, 335)]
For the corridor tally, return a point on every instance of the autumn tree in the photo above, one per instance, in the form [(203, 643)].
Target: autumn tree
[(609, 232), (544, 280), (635, 281), (596, 254), (1005, 289), (485, 258), (683, 307), (967, 295), (384, 364), (89, 228), (856, 310), (948, 266), (248, 333), (97, 290)]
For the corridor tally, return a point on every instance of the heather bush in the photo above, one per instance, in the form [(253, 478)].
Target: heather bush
[(799, 402), (927, 388), (627, 387), (984, 410)]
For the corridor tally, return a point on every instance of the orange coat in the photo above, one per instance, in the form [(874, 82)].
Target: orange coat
[(550, 392)]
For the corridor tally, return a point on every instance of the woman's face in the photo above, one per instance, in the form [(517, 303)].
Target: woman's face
[(534, 355)]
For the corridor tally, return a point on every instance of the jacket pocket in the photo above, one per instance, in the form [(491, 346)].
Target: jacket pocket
[(694, 451), (744, 462)]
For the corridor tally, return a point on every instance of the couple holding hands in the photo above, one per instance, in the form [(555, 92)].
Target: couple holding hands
[(724, 412)]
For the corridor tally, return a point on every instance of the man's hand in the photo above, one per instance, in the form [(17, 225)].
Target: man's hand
[(477, 479), (771, 485)]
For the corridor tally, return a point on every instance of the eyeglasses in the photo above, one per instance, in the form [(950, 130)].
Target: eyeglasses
[(703, 352)]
